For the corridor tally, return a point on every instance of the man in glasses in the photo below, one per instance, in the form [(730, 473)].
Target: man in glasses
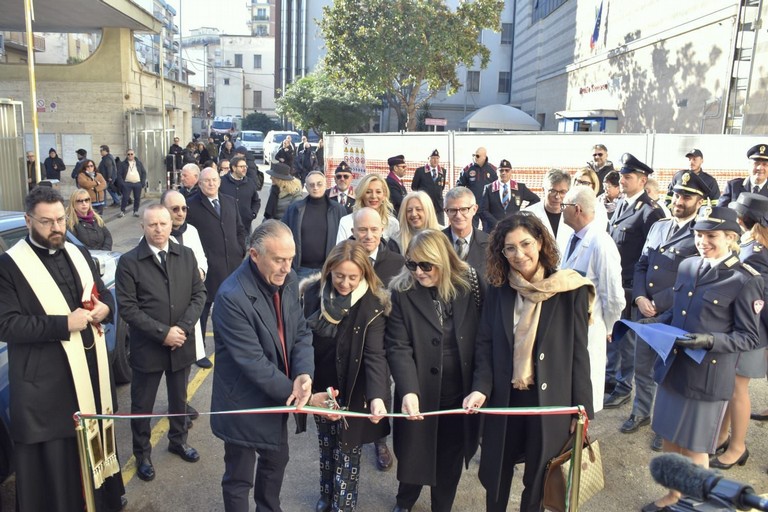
[(600, 163), (629, 228), (243, 189), (476, 176), (342, 191), (556, 184), (468, 242), (431, 179), (45, 321), (504, 197)]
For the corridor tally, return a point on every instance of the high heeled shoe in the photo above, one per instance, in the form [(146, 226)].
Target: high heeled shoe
[(721, 449), (714, 462)]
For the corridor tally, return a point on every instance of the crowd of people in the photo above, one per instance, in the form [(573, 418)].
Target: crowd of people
[(481, 295)]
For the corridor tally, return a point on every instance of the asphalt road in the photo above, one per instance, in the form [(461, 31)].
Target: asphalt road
[(196, 487)]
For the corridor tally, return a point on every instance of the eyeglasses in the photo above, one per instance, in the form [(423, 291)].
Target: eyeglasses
[(563, 205), (89, 165), (130, 154), (554, 192), (315, 185), (597, 154), (84, 200), (343, 176), (61, 221), (584, 182), (177, 209), (425, 266), (463, 210), (510, 250)]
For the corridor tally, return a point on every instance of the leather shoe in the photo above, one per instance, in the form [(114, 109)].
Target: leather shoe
[(398, 508), (758, 417), (383, 457), (653, 507), (145, 471), (721, 449), (714, 462), (185, 451), (123, 502), (657, 444), (204, 363), (615, 400), (323, 505), (193, 414), (634, 423)]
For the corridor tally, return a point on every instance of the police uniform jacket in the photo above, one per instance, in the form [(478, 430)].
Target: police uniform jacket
[(476, 177), (725, 302), (656, 270), (397, 191), (735, 187), (491, 209), (349, 203), (756, 256), (708, 179), (630, 230), (422, 180)]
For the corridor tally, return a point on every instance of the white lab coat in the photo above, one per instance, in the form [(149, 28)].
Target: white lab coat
[(564, 231)]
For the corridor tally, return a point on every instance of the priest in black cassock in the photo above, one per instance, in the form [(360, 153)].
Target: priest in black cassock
[(52, 304)]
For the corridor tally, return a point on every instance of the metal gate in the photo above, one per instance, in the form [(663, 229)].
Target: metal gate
[(13, 168), (145, 132)]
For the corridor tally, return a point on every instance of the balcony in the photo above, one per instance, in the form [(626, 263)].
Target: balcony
[(18, 40), (260, 17)]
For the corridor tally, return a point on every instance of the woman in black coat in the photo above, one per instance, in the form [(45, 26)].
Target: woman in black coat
[(531, 352), (345, 307), (430, 349), (86, 224)]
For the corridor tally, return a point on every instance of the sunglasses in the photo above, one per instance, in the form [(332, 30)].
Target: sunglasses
[(86, 200), (423, 265), (343, 176), (177, 209), (597, 154), (130, 154)]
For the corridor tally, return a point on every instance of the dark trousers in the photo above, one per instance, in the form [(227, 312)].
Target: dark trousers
[(450, 448), (127, 189), (239, 463), (523, 443), (143, 393), (620, 368), (204, 317)]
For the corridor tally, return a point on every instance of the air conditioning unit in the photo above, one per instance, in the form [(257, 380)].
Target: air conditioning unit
[(247, 86)]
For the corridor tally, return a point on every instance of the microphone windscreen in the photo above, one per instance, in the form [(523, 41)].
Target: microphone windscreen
[(677, 472)]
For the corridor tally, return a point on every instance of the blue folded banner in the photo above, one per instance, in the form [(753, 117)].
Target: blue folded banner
[(660, 337)]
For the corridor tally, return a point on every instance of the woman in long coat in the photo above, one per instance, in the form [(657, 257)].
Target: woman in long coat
[(345, 306), (89, 178), (531, 352), (430, 348)]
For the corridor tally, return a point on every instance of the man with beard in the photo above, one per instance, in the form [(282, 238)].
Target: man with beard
[(52, 302), (600, 164)]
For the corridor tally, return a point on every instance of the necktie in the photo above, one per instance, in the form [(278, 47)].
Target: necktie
[(161, 255), (461, 247), (572, 245), (343, 198), (373, 261), (217, 206), (280, 329), (703, 270), (755, 189), (505, 196), (434, 174), (622, 206), (674, 230)]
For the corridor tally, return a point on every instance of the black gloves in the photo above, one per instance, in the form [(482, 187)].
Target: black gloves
[(696, 340)]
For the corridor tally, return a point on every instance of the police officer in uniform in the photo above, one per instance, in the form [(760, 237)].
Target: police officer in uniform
[(669, 242), (755, 182), (342, 191), (476, 176), (431, 179), (695, 159), (629, 228), (503, 197), (394, 179)]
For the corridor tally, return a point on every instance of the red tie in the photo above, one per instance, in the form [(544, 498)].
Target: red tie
[(280, 329)]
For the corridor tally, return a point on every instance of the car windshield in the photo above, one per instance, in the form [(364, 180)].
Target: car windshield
[(279, 137), (222, 125), (253, 137)]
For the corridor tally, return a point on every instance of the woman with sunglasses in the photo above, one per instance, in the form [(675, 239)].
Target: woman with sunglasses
[(90, 179), (531, 352), (85, 223), (372, 191), (346, 305), (417, 213), (436, 304), (717, 300)]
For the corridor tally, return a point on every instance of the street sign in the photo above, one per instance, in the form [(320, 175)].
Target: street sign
[(430, 121)]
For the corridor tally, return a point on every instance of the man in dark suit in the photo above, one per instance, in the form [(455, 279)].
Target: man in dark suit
[(504, 197), (394, 181), (755, 182), (342, 190), (223, 236), (55, 342), (629, 228), (160, 295), (469, 243), (264, 358), (431, 179)]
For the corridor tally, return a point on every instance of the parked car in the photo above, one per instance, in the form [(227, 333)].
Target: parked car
[(13, 229), (272, 143), (253, 141)]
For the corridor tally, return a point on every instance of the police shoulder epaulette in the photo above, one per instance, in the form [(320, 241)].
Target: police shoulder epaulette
[(664, 219), (750, 269), (731, 261), (513, 184), (495, 186)]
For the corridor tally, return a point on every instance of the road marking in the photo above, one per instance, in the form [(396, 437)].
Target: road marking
[(161, 428)]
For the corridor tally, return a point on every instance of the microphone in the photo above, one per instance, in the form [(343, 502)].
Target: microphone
[(677, 472)]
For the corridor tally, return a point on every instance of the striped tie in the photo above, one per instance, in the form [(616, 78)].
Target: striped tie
[(505, 196)]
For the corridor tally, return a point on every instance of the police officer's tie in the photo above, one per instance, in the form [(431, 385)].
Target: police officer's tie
[(343, 198), (434, 174), (620, 209), (461, 248), (505, 196)]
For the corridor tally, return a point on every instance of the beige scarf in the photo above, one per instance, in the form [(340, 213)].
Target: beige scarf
[(533, 293)]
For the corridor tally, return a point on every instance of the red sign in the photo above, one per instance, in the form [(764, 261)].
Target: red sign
[(435, 122)]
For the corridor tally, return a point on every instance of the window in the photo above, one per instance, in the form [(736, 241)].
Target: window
[(543, 8), (473, 81), (257, 62), (506, 33), (226, 81), (256, 99), (238, 60), (504, 81)]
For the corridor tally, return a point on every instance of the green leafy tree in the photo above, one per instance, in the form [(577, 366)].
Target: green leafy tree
[(259, 121), (320, 103), (405, 50)]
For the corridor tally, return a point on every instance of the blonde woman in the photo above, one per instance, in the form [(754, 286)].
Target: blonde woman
[(373, 192), (285, 190), (430, 341), (417, 213), (85, 223), (588, 178)]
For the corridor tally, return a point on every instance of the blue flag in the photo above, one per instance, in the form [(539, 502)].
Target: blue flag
[(596, 31)]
